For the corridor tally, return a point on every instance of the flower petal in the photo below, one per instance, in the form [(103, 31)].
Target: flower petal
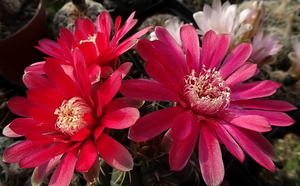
[(20, 106), (123, 102), (153, 124), (257, 146), (210, 156), (113, 153), (181, 150), (36, 80), (253, 90), (63, 174), (274, 105), (235, 59), (182, 125), (121, 118), (41, 172), (87, 156), (242, 74), (147, 90)]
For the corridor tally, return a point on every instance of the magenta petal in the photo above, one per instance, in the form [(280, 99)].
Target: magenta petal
[(20, 106), (253, 90), (60, 79), (63, 174), (167, 142), (209, 45), (36, 80), (87, 156), (229, 142), (235, 59), (252, 122), (255, 144), (162, 75), (18, 151), (110, 87), (190, 43), (113, 153), (222, 45), (41, 172), (182, 125), (274, 118), (42, 156), (147, 90), (173, 49), (124, 68), (275, 105), (123, 102), (210, 156), (121, 118), (153, 124), (10, 133), (181, 150), (242, 74), (37, 67)]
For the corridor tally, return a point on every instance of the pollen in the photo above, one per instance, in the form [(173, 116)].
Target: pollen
[(71, 115), (207, 93), (89, 39)]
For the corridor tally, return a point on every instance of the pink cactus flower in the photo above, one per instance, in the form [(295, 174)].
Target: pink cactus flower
[(95, 40), (211, 104), (66, 122)]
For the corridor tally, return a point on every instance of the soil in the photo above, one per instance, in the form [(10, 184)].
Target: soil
[(11, 25)]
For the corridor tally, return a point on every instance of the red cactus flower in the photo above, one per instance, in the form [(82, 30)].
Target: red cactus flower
[(95, 40), (66, 122), (211, 104)]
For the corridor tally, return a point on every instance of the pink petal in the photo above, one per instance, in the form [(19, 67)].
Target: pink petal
[(18, 151), (210, 156), (63, 174), (181, 150), (182, 125), (42, 156), (124, 68), (113, 153), (110, 87), (81, 135), (10, 133), (153, 124), (242, 74), (94, 73), (209, 45), (60, 79), (173, 49), (190, 43), (67, 36), (235, 59), (121, 118), (222, 45), (123, 102), (147, 90), (274, 118), (23, 126), (167, 142), (37, 67), (103, 24), (160, 74), (258, 147), (41, 172), (275, 105), (20, 106), (87, 156), (43, 115), (229, 142), (252, 122), (36, 80), (253, 90), (90, 52)]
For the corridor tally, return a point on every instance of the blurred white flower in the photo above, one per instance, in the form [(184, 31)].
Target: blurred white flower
[(265, 46), (223, 19), (295, 57), (173, 27)]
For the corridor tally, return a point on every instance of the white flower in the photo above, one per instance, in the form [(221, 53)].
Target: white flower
[(173, 26), (223, 19), (265, 46)]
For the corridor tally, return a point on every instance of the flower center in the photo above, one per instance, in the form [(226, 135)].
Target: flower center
[(206, 94), (71, 115)]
